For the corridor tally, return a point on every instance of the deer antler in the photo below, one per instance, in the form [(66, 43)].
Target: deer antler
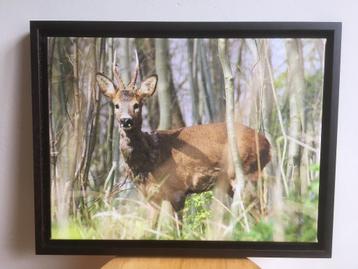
[(135, 74), (117, 78)]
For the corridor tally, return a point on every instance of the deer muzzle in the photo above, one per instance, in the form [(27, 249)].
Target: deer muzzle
[(126, 123)]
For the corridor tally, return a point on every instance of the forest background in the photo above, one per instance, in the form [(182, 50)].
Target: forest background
[(278, 91)]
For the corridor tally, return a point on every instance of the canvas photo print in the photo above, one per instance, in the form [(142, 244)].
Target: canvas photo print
[(208, 139)]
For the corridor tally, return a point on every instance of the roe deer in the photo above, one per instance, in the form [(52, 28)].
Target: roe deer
[(169, 165)]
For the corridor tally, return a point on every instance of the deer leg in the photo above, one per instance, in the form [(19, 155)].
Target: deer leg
[(225, 183), (230, 189), (178, 203), (179, 222)]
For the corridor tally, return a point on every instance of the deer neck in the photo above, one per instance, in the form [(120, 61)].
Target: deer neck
[(140, 152)]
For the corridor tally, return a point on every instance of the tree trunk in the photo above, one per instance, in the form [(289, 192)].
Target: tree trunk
[(63, 127), (124, 60), (193, 73), (146, 54), (206, 109), (296, 85), (264, 109), (237, 204), (170, 115), (164, 96), (176, 116), (217, 82), (52, 133), (207, 80)]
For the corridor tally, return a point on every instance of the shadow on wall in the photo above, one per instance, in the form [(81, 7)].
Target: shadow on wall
[(22, 250)]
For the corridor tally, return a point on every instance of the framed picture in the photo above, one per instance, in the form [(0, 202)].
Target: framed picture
[(185, 138)]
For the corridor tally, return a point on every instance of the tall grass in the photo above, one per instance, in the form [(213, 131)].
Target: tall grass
[(132, 218)]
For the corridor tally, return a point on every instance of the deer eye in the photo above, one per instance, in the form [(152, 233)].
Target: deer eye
[(116, 106), (135, 106)]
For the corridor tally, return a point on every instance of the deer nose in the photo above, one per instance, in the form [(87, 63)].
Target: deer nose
[(126, 122)]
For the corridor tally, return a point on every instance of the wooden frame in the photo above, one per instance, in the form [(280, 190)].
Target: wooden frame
[(41, 30)]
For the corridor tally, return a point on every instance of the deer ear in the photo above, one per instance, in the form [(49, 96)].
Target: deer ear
[(148, 86), (106, 85)]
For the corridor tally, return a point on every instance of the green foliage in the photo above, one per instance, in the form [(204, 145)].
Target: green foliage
[(120, 220), (73, 230), (314, 167), (196, 214), (302, 226), (313, 82), (261, 231), (313, 98)]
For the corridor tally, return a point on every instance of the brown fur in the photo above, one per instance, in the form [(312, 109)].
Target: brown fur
[(169, 165)]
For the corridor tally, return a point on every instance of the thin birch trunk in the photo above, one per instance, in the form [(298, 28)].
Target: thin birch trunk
[(237, 205), (296, 87), (277, 208), (53, 148), (111, 130), (94, 119), (64, 123), (78, 183), (265, 123)]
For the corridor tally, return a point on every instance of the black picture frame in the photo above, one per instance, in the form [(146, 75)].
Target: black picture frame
[(40, 30)]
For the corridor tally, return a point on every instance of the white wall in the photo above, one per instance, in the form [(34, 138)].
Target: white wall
[(16, 183)]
